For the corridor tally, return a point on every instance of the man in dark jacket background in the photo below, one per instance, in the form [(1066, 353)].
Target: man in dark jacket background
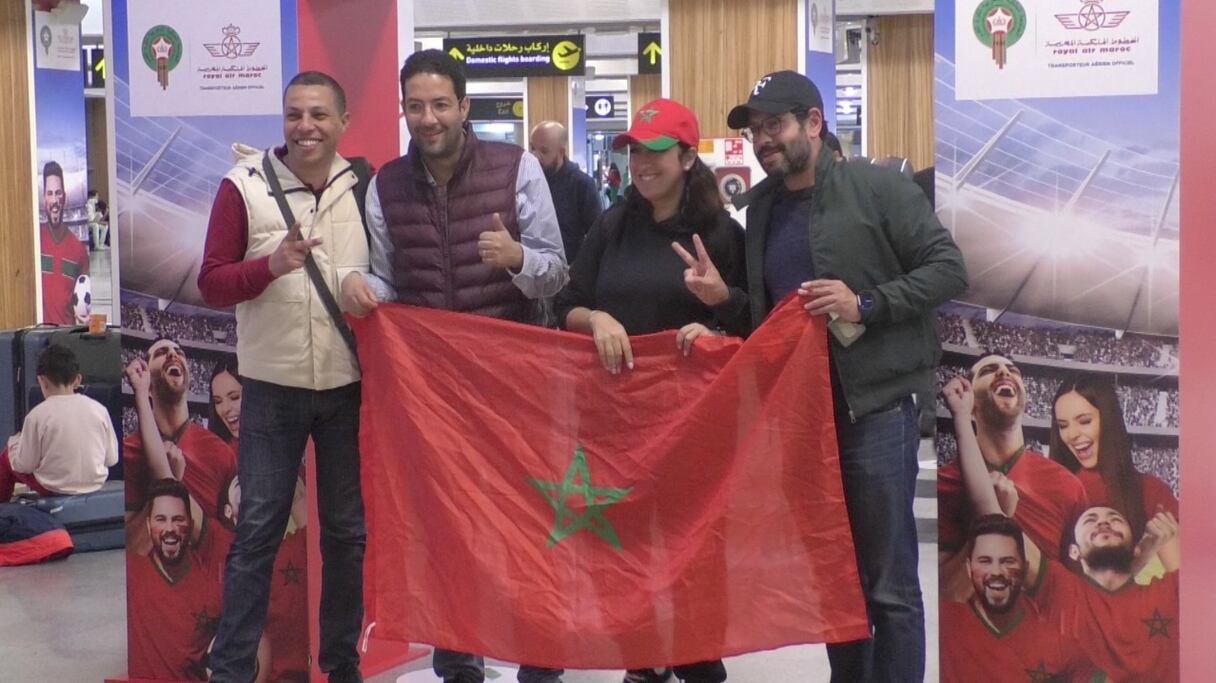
[(574, 195), (859, 243)]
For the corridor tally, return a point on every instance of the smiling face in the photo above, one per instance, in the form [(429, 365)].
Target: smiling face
[(169, 528), (226, 398), (789, 151), (53, 199), (312, 125), (434, 115), (168, 370), (1079, 423), (996, 572), (658, 176), (1000, 395)]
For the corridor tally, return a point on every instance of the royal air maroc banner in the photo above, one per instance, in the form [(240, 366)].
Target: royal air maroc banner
[(1055, 48), (170, 154), (220, 57), (530, 506), (1066, 340)]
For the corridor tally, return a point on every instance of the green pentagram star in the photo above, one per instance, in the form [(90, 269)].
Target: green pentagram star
[(577, 482), (1040, 674), (646, 115), (1158, 625)]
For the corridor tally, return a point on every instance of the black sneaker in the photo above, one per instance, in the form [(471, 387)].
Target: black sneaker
[(648, 676)]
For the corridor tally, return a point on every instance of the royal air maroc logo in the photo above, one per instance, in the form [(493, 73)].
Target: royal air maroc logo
[(231, 46), (999, 24), (1091, 17), (162, 52)]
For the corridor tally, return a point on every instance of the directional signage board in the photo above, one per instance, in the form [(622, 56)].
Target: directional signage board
[(600, 106), (650, 53), (93, 63), (518, 56), (496, 109)]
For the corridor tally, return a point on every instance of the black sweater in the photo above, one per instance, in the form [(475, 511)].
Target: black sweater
[(627, 268)]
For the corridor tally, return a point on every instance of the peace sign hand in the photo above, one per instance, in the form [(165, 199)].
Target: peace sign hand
[(701, 276)]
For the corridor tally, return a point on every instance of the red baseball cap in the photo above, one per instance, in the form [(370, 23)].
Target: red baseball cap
[(660, 125)]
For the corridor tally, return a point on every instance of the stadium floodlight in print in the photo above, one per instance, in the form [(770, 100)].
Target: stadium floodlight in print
[(1055, 221)]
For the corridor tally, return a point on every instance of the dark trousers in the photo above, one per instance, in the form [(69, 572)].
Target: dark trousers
[(878, 466), (276, 422)]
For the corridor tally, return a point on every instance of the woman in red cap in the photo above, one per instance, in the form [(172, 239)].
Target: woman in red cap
[(647, 265)]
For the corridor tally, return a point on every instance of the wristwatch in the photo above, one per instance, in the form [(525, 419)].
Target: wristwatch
[(865, 303)]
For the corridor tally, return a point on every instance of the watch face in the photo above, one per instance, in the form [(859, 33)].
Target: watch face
[(865, 301)]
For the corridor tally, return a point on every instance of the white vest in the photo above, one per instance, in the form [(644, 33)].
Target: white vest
[(284, 335)]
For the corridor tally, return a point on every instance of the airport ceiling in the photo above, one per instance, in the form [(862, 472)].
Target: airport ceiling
[(522, 15)]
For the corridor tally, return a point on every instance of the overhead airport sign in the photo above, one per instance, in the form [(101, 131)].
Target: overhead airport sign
[(496, 109), (650, 53), (518, 56), (600, 106)]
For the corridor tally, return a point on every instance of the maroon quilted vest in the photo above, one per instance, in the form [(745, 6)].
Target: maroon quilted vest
[(434, 230)]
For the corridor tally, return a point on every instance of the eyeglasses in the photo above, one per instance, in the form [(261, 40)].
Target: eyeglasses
[(770, 127)]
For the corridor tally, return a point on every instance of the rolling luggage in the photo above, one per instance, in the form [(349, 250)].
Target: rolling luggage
[(94, 520)]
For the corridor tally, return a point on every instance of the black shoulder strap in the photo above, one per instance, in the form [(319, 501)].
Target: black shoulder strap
[(310, 264), (363, 176)]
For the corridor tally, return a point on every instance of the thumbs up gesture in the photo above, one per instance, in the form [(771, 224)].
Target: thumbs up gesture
[(291, 252), (701, 276), (498, 249)]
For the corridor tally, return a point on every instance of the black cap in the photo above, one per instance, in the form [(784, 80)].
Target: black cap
[(777, 93)]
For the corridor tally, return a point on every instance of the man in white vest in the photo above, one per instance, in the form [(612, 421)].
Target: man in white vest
[(299, 379)]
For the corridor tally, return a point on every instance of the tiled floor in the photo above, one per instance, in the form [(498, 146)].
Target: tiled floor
[(66, 622)]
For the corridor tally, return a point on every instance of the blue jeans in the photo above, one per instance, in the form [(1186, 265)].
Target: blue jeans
[(878, 466), (276, 422), (460, 667)]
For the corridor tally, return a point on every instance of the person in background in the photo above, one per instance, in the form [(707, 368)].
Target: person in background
[(574, 195)]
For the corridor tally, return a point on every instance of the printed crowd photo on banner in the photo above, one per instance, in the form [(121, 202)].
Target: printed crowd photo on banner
[(1058, 429), (181, 385)]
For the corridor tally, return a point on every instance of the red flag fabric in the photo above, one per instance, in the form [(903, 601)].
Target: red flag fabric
[(525, 504)]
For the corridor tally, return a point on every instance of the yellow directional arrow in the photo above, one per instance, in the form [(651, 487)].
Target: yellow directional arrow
[(456, 54), (653, 51), (101, 67)]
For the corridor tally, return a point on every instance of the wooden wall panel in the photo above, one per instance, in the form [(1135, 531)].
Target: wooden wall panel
[(548, 100), (98, 146), (17, 273), (720, 47), (643, 89), (899, 114)]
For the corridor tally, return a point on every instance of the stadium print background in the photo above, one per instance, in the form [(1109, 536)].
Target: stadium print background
[(1067, 211), (168, 171)]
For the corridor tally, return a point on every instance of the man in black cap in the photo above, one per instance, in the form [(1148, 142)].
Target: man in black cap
[(859, 244)]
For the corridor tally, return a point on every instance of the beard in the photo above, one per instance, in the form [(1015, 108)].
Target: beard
[(1015, 590), (177, 557), (1117, 558), (165, 393), (990, 415), (796, 157)]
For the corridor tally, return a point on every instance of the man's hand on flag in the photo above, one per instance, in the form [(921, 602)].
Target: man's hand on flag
[(611, 342), (356, 297)]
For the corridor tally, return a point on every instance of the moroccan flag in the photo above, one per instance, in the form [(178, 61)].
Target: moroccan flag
[(525, 504)]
